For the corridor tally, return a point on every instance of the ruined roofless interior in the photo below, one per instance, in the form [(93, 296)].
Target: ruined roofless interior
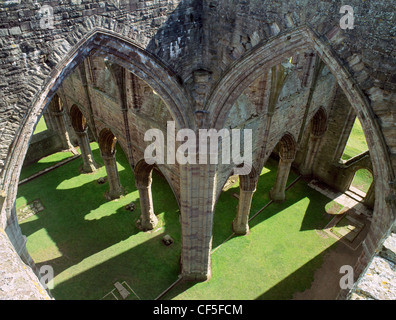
[(109, 71)]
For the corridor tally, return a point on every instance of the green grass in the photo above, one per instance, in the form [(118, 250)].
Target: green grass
[(277, 258), (92, 243), (41, 126), (356, 143), (44, 163), (362, 180)]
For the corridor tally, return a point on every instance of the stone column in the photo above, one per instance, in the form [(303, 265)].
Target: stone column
[(369, 199), (49, 121), (240, 225), (112, 176), (247, 185), (89, 164), (148, 219), (59, 117), (197, 201), (277, 193), (313, 147)]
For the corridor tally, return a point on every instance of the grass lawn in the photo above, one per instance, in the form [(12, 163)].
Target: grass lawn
[(277, 258), (362, 180), (356, 143), (41, 126), (93, 243), (44, 163)]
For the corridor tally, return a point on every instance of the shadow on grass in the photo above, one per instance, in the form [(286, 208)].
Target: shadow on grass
[(97, 251), (148, 268), (80, 226), (327, 286), (315, 217), (227, 204), (44, 163)]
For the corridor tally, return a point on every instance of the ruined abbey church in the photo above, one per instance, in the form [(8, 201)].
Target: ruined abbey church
[(108, 71)]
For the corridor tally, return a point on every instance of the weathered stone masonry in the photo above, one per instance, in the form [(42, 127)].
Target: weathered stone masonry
[(211, 64)]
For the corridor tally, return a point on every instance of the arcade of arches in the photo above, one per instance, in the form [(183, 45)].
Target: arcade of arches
[(300, 101)]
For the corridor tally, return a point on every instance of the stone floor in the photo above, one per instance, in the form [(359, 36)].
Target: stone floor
[(378, 282), (351, 199)]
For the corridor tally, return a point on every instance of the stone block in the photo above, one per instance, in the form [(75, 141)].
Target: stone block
[(388, 250), (15, 31)]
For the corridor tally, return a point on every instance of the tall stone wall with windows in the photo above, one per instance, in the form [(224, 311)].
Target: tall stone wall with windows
[(200, 57)]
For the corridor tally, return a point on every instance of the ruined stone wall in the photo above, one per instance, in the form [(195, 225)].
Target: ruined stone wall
[(100, 102), (200, 56), (43, 144), (328, 165), (377, 280)]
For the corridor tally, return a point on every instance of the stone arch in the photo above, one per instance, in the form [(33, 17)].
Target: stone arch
[(143, 176), (78, 120), (319, 122), (132, 57), (56, 104), (143, 172), (107, 142), (270, 53), (58, 118), (355, 169), (287, 147), (248, 68), (287, 152), (317, 130), (248, 182), (368, 191)]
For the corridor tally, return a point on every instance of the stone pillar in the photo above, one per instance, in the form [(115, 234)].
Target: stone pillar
[(240, 225), (197, 201), (49, 121), (59, 117), (369, 199), (277, 193), (313, 147), (148, 219), (89, 164), (247, 185), (112, 176)]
